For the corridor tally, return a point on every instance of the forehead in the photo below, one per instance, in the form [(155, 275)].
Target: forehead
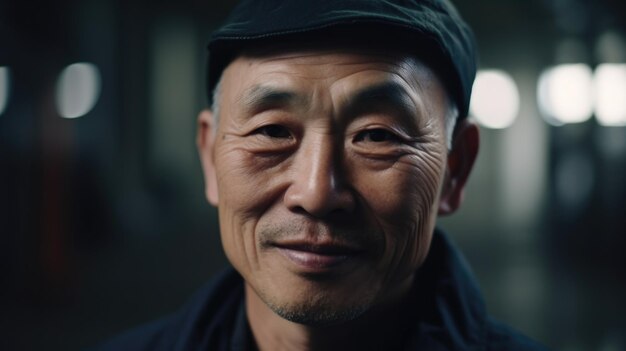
[(327, 61), (332, 72)]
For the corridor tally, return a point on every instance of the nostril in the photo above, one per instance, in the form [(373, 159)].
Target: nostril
[(298, 210), (319, 203)]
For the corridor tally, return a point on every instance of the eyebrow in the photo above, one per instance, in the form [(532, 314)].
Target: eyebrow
[(383, 96), (263, 97)]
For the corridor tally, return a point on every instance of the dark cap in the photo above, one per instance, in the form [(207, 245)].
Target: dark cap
[(430, 29)]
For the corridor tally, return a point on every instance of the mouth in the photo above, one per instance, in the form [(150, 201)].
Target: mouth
[(309, 257)]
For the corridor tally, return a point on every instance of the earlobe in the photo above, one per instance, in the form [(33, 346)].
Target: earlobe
[(460, 163), (205, 141)]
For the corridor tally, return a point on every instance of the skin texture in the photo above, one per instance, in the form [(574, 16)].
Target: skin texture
[(340, 158)]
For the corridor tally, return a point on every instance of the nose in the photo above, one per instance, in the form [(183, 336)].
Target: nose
[(318, 183)]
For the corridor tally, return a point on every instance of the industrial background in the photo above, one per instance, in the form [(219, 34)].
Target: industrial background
[(103, 222)]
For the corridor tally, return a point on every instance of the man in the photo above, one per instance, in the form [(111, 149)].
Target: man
[(336, 136)]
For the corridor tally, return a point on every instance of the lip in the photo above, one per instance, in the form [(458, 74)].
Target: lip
[(315, 257)]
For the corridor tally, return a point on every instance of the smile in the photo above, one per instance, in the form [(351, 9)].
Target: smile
[(314, 258)]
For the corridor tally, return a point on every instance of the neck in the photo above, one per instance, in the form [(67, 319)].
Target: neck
[(378, 329)]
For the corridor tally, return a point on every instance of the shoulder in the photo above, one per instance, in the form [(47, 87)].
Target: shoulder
[(214, 305), (502, 337), (453, 309)]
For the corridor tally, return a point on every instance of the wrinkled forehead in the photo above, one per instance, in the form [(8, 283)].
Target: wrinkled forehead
[(337, 51), (331, 79), (329, 63), (342, 68)]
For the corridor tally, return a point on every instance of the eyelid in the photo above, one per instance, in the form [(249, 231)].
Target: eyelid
[(267, 118), (266, 128), (398, 132), (368, 135)]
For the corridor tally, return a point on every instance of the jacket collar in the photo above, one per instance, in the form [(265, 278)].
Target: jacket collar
[(449, 307)]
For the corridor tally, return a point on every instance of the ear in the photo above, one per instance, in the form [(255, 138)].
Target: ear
[(205, 141), (461, 159)]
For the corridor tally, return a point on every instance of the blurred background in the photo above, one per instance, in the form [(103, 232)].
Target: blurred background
[(103, 222)]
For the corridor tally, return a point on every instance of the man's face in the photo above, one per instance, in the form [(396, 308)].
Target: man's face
[(327, 170)]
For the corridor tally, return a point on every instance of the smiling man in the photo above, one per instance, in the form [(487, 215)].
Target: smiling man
[(337, 135)]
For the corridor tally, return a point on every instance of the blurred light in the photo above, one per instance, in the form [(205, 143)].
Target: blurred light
[(495, 99), (610, 94), (564, 94), (5, 84), (78, 89)]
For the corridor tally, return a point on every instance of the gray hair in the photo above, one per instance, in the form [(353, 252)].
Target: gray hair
[(215, 105), (452, 115)]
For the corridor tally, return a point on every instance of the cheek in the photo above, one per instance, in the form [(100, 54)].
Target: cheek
[(249, 183), (238, 241), (403, 199), (407, 189), (246, 190)]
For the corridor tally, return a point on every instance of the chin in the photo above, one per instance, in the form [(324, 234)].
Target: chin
[(317, 304), (318, 314)]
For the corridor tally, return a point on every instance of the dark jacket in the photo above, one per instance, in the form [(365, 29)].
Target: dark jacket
[(449, 314)]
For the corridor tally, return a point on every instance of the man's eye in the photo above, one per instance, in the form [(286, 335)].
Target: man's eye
[(274, 131), (377, 136)]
